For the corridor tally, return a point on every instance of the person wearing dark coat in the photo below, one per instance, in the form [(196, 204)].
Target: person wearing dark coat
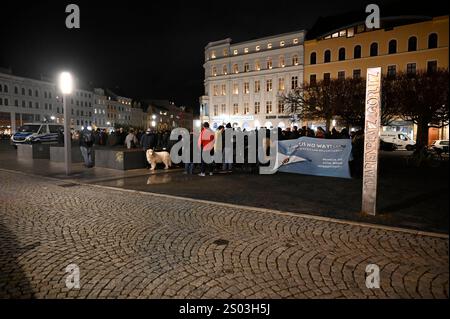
[(148, 140)]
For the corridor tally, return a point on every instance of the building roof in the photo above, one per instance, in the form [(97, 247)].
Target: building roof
[(390, 17)]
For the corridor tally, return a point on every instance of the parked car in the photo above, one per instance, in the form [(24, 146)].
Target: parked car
[(402, 141), (386, 146), (37, 133), (440, 146)]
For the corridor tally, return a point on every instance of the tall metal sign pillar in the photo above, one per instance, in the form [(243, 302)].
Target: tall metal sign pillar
[(371, 140)]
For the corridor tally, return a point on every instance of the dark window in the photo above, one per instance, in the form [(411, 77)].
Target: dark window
[(313, 58), (412, 44), (312, 79), (341, 54), (16, 90), (411, 68), (5, 88), (16, 102), (6, 102), (341, 75), (356, 73), (23, 103), (392, 46), (36, 93), (432, 41), (30, 105), (326, 77), (357, 52), (30, 92), (431, 66), (391, 71), (327, 56), (374, 49), (1, 101)]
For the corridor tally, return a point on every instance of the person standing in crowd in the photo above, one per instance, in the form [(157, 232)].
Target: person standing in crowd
[(121, 135), (97, 136), (131, 140), (227, 145), (206, 144), (148, 140), (344, 133), (320, 133), (86, 141), (295, 132), (310, 132)]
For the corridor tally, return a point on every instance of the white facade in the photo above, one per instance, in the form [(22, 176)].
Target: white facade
[(243, 81), (25, 100)]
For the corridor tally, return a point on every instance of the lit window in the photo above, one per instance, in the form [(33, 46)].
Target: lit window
[(214, 71), (235, 108), (281, 43), (281, 63), (269, 63), (257, 86), (281, 84), (223, 90), (235, 68), (246, 87), (224, 70), (213, 54), (257, 65), (269, 85), (280, 107), (216, 90), (246, 67), (269, 107), (350, 32), (335, 35), (342, 33), (235, 88), (235, 52), (257, 107), (294, 82), (225, 52), (295, 60)]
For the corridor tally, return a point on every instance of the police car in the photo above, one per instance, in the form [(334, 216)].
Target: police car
[(37, 133)]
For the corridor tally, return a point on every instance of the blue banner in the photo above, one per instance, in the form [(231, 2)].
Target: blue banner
[(315, 156)]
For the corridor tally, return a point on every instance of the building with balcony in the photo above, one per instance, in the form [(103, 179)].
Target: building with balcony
[(243, 81)]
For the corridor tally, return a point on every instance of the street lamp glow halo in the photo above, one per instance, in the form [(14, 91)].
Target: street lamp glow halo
[(66, 82)]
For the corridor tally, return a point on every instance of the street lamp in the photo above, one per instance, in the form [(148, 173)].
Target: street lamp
[(66, 87)]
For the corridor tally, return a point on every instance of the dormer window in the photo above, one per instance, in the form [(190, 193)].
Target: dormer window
[(246, 50), (281, 43), (269, 45), (235, 52), (295, 41), (258, 48)]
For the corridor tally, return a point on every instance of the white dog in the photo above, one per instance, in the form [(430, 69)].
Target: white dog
[(158, 157)]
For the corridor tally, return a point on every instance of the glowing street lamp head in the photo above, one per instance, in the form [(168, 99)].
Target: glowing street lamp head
[(65, 83)]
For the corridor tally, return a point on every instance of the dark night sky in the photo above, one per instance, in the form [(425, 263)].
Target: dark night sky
[(146, 49)]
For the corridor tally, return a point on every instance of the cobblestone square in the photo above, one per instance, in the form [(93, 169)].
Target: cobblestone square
[(134, 245)]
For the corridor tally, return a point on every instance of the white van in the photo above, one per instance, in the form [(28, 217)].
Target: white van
[(402, 140), (37, 133)]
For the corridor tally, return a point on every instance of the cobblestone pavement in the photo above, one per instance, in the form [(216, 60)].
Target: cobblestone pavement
[(132, 245)]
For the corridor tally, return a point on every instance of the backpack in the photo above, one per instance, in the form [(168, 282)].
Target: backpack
[(88, 138)]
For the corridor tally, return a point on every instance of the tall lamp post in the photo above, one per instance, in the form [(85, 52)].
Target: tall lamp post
[(66, 87)]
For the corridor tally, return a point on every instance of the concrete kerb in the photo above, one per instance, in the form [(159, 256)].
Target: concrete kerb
[(251, 208)]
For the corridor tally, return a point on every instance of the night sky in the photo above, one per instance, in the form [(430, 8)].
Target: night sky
[(145, 49)]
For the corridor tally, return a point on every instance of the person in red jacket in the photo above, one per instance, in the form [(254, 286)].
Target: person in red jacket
[(206, 144)]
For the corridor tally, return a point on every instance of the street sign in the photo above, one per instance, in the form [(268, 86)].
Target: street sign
[(371, 140)]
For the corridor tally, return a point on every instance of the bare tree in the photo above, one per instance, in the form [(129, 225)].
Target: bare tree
[(423, 99)]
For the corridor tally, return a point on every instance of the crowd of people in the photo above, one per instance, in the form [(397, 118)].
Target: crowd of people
[(208, 141), (131, 138)]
